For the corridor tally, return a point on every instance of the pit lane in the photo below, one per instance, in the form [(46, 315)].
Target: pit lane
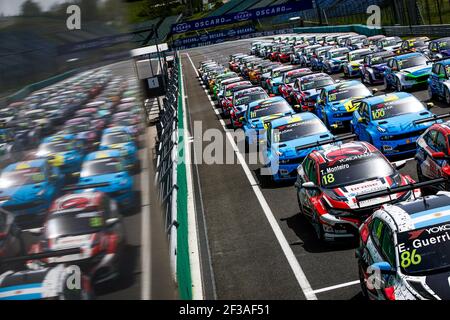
[(247, 260)]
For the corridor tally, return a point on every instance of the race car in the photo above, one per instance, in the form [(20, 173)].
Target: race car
[(104, 108), (107, 172), (83, 130), (266, 73), (373, 66), (439, 49), (11, 240), (285, 54), (355, 42), (223, 76), (218, 87), (403, 251), (388, 122), (334, 60), (296, 54), (248, 66), (255, 73), (119, 138), (89, 221), (276, 78), (47, 283), (329, 180), (226, 101), (285, 138), (11, 149), (355, 58), (288, 81), (306, 90), (259, 113), (37, 118), (337, 102), (63, 151), (370, 42), (406, 71), (306, 53), (241, 100), (316, 60), (433, 154), (341, 39), (98, 122), (419, 44), (27, 189), (391, 44), (439, 81), (127, 119)]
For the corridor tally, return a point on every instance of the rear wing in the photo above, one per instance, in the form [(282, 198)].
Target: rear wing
[(328, 141), (433, 118), (391, 191), (85, 186), (41, 255)]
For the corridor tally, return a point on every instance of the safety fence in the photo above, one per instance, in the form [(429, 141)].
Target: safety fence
[(170, 179)]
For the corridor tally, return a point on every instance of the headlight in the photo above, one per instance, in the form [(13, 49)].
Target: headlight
[(334, 109), (387, 137), (40, 193)]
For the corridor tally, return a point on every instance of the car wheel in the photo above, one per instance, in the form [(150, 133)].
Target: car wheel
[(368, 78), (265, 180), (447, 96), (318, 227), (431, 94), (299, 204), (398, 85), (362, 282), (387, 86)]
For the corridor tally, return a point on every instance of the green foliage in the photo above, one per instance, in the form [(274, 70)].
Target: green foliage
[(30, 9)]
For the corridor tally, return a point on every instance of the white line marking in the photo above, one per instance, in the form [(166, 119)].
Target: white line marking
[(194, 257), (338, 286), (292, 260)]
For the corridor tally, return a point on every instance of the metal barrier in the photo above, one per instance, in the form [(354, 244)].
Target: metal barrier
[(167, 159)]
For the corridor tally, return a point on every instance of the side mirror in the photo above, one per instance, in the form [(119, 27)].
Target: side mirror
[(430, 105), (35, 231), (241, 119), (111, 221), (374, 90), (309, 185), (400, 164), (361, 120), (271, 95), (129, 167), (384, 267), (76, 174)]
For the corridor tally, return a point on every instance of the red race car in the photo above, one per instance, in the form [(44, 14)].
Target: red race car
[(288, 80), (330, 179), (306, 90), (226, 102)]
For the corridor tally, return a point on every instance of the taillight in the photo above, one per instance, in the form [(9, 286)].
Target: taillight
[(389, 292)]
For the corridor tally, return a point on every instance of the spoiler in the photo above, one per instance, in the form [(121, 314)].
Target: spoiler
[(41, 255), (433, 118), (328, 141), (85, 186), (391, 191)]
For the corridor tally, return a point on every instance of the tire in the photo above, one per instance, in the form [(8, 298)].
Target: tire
[(447, 96), (362, 282), (387, 85), (369, 77), (299, 205), (265, 181), (431, 95), (398, 85), (317, 227)]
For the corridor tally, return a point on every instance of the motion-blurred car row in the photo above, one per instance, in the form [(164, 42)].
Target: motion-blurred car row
[(284, 98), (69, 154)]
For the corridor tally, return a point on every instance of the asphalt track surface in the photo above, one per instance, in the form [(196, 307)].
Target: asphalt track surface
[(248, 258)]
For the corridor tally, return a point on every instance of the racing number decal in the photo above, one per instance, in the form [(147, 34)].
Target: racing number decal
[(408, 258), (376, 114), (96, 222), (328, 178)]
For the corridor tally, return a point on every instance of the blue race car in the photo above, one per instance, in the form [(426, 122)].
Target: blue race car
[(285, 137), (372, 68), (407, 71), (439, 49), (276, 78), (28, 188), (316, 60), (439, 81), (120, 138), (355, 58), (106, 171), (337, 102), (62, 151), (259, 113), (387, 122), (334, 60)]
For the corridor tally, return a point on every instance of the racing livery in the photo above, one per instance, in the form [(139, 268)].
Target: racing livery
[(439, 81)]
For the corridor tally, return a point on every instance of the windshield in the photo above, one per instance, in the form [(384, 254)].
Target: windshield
[(354, 169), (389, 42), (125, 122), (357, 56), (71, 224), (115, 138), (313, 84), (101, 166), (444, 45), (378, 60), (75, 128), (267, 109), (424, 250), (54, 147), (249, 98), (346, 93), (298, 130), (292, 77), (21, 177), (412, 62), (336, 54), (391, 109)]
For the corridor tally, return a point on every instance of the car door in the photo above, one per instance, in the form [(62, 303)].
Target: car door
[(310, 174), (434, 79), (388, 74), (441, 78), (431, 166)]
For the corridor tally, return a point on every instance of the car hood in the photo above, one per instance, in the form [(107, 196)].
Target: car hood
[(19, 194), (291, 149), (83, 241), (113, 180), (347, 105), (259, 122), (417, 71), (276, 80), (404, 123)]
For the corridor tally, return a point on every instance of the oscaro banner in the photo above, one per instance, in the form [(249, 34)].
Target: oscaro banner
[(241, 16), (213, 37)]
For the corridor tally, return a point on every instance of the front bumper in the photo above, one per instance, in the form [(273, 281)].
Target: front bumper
[(391, 148)]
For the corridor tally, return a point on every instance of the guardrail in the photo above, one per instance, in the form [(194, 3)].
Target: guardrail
[(171, 179)]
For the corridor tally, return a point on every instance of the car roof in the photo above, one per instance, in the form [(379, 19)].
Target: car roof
[(103, 154), (248, 91), (36, 163), (445, 62), (408, 55), (343, 85), (76, 202), (387, 97), (267, 100), (312, 76), (327, 155), (419, 213), (58, 138)]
